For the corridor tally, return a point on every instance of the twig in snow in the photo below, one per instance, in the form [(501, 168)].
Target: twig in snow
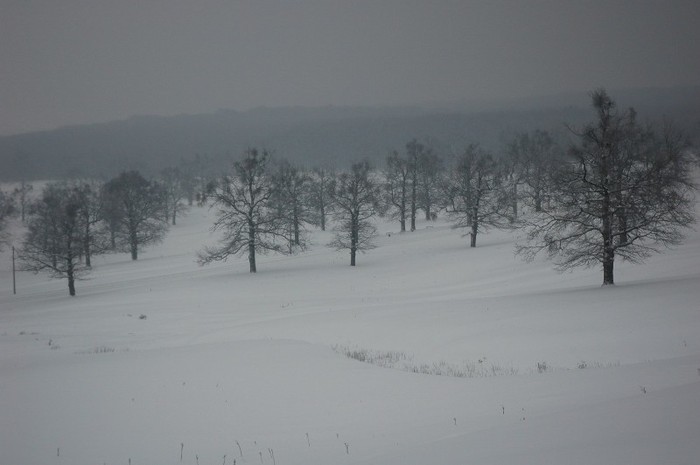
[(308, 441), (239, 448)]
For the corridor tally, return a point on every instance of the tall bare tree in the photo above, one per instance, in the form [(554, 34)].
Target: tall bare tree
[(7, 208), (357, 200), (292, 192), (429, 177), (414, 153), (617, 197), (475, 193), (531, 161), (173, 183), (246, 215), (396, 186), (135, 204), (22, 194), (93, 233), (54, 242), (320, 189)]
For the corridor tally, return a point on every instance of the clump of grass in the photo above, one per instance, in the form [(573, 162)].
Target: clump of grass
[(388, 359), (585, 364), (544, 367), (403, 361), (103, 350), (97, 350)]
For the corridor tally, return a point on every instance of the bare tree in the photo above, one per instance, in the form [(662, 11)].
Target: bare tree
[(617, 198), (249, 221), (475, 193), (135, 204), (173, 183), (54, 239), (111, 214), (357, 200), (531, 160), (22, 194), (292, 191), (396, 186), (320, 189), (93, 237), (415, 152), (7, 209), (429, 177)]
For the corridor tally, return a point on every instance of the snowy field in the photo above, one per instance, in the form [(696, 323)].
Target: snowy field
[(161, 361)]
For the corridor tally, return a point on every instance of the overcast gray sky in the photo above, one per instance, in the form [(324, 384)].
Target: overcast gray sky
[(69, 61)]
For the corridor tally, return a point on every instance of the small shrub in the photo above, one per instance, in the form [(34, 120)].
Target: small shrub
[(103, 350), (97, 350)]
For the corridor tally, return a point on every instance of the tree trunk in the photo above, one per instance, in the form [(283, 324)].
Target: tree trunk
[(251, 247), (86, 244), (475, 230), (414, 207), (608, 246), (251, 258), (174, 215), (354, 238), (71, 285), (71, 277), (608, 264), (134, 243)]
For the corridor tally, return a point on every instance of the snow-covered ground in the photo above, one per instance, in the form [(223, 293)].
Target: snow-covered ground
[(160, 361)]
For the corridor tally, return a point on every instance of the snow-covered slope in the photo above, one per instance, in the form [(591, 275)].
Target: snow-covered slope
[(158, 359)]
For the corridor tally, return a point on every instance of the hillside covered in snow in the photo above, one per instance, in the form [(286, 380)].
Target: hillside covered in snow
[(427, 352)]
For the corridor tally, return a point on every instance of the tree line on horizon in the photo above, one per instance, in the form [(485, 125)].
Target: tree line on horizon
[(622, 189)]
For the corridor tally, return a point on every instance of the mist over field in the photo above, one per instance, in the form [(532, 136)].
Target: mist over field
[(329, 137)]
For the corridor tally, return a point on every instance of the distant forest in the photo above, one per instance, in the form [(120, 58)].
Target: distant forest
[(329, 137)]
